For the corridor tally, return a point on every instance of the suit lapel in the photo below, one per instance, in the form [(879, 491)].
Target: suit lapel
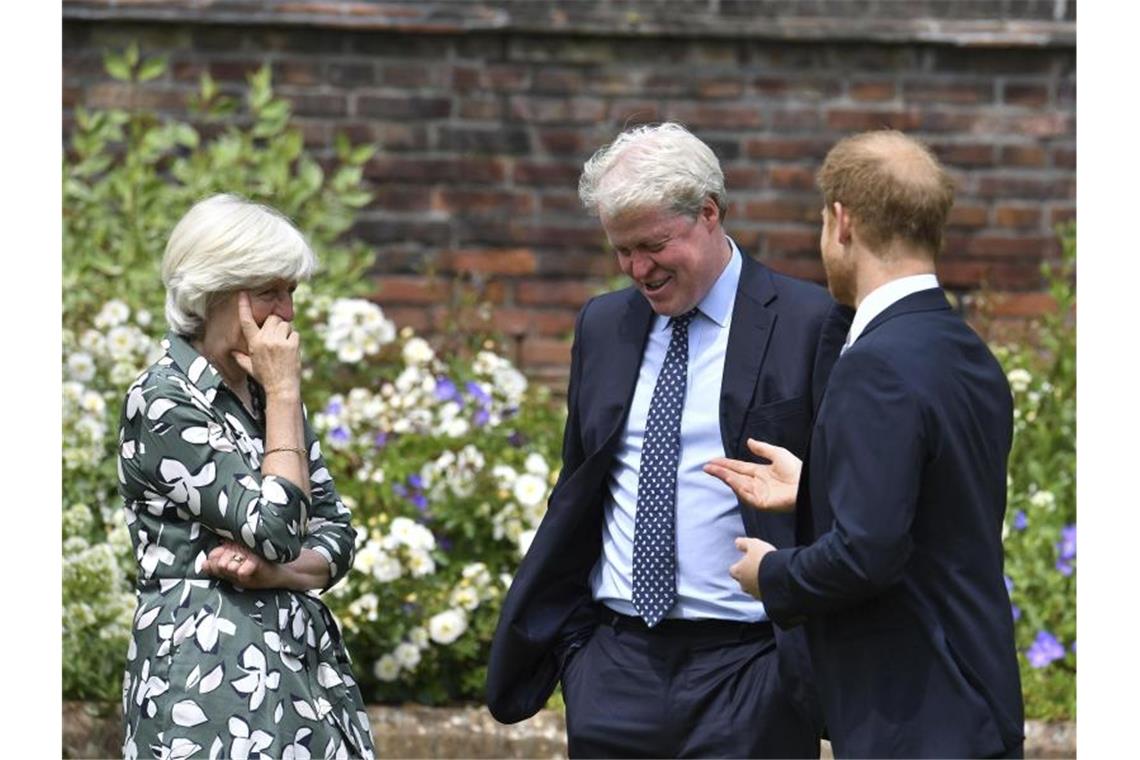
[(748, 338), (624, 361)]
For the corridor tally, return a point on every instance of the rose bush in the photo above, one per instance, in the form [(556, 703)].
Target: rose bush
[(445, 454), (1040, 532)]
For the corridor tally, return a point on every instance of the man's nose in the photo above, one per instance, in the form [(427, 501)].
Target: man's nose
[(640, 266)]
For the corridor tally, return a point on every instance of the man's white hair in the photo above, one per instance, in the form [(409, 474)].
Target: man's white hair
[(226, 243), (662, 166)]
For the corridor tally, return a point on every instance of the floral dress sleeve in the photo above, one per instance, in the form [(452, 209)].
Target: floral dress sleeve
[(330, 531), (178, 456)]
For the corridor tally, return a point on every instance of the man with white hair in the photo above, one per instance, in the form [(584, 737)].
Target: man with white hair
[(624, 594)]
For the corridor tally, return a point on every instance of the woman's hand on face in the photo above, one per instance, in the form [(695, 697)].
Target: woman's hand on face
[(274, 351), (235, 563)]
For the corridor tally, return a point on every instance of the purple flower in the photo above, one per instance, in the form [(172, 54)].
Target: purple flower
[(420, 501), (1064, 568), (1008, 584), (399, 490), (1016, 611), (476, 391), (445, 389), (334, 408), (516, 439), (481, 417), (445, 544), (1067, 546), (1020, 521), (339, 434), (1044, 650), (380, 440), (415, 481)]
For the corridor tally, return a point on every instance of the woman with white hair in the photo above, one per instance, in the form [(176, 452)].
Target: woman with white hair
[(232, 512)]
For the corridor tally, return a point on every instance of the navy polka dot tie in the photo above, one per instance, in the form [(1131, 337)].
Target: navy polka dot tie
[(654, 537)]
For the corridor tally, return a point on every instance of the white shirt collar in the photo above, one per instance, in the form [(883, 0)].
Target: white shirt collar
[(879, 299)]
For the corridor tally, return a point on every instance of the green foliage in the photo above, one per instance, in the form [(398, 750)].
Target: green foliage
[(444, 456), (1040, 531)]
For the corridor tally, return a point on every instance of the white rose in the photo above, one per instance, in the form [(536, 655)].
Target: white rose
[(529, 489), (536, 464), (417, 351), (465, 597), (418, 636), (1019, 380), (525, 540), (448, 626), (386, 568), (386, 668), (420, 563), (81, 366), (407, 655)]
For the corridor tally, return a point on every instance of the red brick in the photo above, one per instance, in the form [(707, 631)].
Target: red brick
[(558, 80), (739, 178), (546, 322), (871, 90), (418, 318), (123, 95), (457, 201), (790, 177), (546, 110), (716, 116), (965, 216), (788, 242), (466, 78), (538, 350), (1029, 95), (794, 119), (964, 154), (555, 202), (804, 268), (628, 112), (234, 70), (782, 210), (719, 88), (512, 261), (926, 91), (403, 107), (410, 75), (1065, 158), (1006, 245), (613, 82), (396, 168), (547, 174), (785, 147), (392, 197), (555, 292), (318, 104), (1003, 186), (1023, 155), (296, 73), (965, 273), (1061, 214), (964, 122), (1022, 304), (858, 120), (1017, 216), (561, 142), (797, 88), (480, 109), (505, 77), (397, 289)]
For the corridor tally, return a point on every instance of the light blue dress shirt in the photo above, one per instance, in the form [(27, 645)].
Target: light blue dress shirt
[(708, 516)]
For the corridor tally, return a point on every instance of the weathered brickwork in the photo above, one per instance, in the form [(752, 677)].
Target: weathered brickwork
[(484, 112)]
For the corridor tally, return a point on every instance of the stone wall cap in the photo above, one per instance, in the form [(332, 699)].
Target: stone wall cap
[(594, 19)]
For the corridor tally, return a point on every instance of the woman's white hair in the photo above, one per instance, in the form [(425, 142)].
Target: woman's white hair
[(226, 243), (662, 166)]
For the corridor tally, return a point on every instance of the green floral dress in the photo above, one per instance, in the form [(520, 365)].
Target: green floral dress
[(214, 669)]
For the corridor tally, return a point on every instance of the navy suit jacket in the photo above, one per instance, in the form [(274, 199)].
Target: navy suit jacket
[(773, 354), (903, 492)]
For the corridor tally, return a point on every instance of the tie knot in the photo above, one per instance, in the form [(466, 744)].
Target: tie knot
[(682, 321)]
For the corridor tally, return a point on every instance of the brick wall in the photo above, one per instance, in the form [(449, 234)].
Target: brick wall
[(484, 113)]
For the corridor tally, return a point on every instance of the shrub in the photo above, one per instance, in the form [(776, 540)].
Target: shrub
[(444, 454), (1041, 517)]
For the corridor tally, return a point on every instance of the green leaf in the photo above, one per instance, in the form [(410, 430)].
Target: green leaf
[(117, 67), (152, 69)]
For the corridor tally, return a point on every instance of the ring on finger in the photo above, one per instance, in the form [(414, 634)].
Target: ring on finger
[(237, 559)]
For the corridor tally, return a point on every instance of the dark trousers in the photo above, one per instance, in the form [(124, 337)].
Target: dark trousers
[(682, 689)]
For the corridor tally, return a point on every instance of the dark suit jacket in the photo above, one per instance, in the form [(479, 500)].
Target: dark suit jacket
[(767, 393), (903, 492)]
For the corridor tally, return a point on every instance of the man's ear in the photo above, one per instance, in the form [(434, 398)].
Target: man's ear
[(710, 212), (843, 221)]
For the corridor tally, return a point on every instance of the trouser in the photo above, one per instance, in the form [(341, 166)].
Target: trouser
[(704, 688)]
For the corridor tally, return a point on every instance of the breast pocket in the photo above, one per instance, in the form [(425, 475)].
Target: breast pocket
[(784, 423)]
